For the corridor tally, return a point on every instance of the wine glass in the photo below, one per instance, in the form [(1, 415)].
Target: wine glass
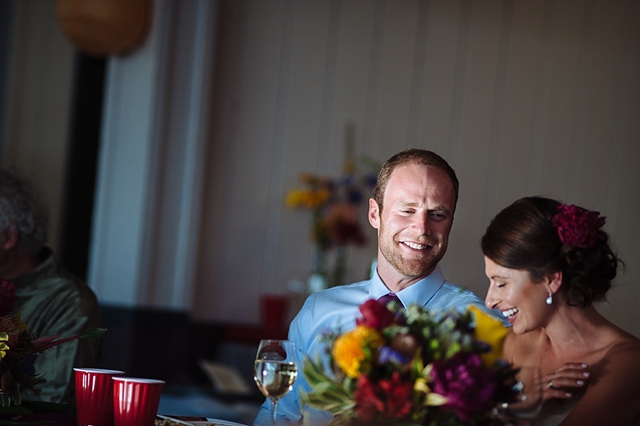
[(275, 369), (527, 394)]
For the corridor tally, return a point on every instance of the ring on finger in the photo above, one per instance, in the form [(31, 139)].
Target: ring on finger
[(550, 384)]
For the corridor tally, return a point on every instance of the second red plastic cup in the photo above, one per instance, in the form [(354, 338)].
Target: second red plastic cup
[(135, 401)]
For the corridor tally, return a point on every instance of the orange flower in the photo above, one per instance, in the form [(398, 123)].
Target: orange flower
[(352, 350)]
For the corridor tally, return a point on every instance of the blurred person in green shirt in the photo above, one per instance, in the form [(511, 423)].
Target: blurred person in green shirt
[(50, 300)]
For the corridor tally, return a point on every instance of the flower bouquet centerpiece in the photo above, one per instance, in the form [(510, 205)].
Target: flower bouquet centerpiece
[(19, 349), (412, 367)]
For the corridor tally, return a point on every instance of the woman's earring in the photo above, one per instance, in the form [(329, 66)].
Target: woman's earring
[(549, 299)]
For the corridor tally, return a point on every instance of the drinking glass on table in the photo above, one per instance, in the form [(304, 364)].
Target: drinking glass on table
[(275, 369)]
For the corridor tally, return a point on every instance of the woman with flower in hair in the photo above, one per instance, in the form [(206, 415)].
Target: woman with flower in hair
[(547, 263)]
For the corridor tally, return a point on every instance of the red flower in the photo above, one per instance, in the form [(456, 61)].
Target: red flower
[(7, 296), (388, 399), (342, 221), (375, 315), (577, 226)]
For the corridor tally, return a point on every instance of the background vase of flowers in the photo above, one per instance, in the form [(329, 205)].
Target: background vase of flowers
[(335, 205), (335, 221)]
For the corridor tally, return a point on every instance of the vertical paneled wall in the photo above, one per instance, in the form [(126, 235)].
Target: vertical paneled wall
[(36, 100), (521, 97)]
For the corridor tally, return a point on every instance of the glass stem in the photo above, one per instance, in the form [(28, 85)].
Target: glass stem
[(275, 406)]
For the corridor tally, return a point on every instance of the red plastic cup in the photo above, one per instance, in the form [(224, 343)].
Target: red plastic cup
[(94, 396), (135, 401), (273, 310)]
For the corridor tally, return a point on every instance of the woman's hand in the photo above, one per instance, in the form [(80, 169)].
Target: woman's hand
[(567, 380)]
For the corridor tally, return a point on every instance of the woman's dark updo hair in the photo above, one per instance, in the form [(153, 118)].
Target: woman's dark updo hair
[(522, 237)]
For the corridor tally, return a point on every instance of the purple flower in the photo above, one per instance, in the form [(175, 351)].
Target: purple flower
[(354, 196), (389, 355), (372, 179), (347, 180), (469, 386)]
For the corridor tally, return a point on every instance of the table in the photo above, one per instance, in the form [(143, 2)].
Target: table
[(33, 412)]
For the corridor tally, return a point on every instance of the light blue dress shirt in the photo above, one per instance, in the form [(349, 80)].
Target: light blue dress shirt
[(337, 309)]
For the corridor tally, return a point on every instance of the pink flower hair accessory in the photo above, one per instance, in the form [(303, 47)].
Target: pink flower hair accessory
[(577, 226)]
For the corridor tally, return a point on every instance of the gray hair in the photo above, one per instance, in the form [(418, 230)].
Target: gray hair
[(20, 206)]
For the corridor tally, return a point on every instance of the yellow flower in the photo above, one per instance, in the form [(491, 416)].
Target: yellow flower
[(12, 328), (489, 330), (431, 399), (4, 348), (353, 349), (307, 198), (294, 198)]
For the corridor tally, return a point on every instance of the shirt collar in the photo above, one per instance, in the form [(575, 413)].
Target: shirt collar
[(418, 293), (45, 268)]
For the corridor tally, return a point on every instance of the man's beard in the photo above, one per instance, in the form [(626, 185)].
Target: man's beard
[(416, 266)]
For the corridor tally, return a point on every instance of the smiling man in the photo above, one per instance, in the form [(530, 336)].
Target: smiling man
[(413, 213), (412, 209)]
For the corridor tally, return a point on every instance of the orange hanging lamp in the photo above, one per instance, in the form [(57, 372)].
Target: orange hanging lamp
[(104, 27)]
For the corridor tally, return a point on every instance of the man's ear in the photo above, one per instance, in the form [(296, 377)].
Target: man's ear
[(9, 237), (374, 213)]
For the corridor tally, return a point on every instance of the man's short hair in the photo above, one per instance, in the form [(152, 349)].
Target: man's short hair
[(412, 156)]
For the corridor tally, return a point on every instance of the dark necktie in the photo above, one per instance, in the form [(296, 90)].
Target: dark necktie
[(390, 297)]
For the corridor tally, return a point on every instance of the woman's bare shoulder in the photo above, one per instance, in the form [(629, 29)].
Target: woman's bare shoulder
[(625, 348), (612, 396), (619, 367)]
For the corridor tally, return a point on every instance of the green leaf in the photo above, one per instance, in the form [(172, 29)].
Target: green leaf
[(93, 333), (327, 394)]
